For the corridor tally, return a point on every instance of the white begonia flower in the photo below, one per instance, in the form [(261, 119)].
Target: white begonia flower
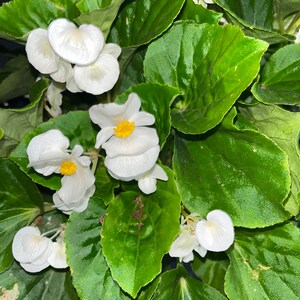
[(77, 45), (46, 151), (40, 53), (58, 258), (297, 35), (147, 182), (54, 97), (64, 72), (31, 249), (123, 132), (217, 232)]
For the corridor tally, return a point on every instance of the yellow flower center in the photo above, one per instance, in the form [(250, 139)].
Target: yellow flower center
[(124, 129), (68, 168)]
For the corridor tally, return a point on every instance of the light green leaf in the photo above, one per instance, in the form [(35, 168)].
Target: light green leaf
[(283, 127), (138, 230), (31, 14), (98, 15), (207, 63), (239, 171), (17, 78), (141, 21), (265, 264), (75, 125), (91, 276), (15, 283), (20, 203), (24, 119), (156, 99), (279, 82), (86, 6), (199, 14), (177, 284)]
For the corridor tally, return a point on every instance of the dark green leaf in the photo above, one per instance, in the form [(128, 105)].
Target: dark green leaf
[(75, 125), (141, 21), (138, 230), (20, 203), (239, 171), (207, 63), (265, 264), (280, 80), (90, 272), (177, 284)]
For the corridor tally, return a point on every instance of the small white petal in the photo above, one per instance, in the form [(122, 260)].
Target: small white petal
[(40, 53), (147, 185), (187, 258), (58, 258), (138, 142), (80, 45), (142, 118), (72, 86), (54, 97), (132, 166), (217, 233), (64, 72), (103, 136), (201, 250), (98, 77), (31, 268), (158, 172), (112, 49)]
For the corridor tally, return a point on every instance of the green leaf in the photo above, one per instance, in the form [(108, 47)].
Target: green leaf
[(156, 99), (199, 14), (177, 284), (98, 15), (141, 21), (86, 6), (18, 78), (15, 283), (265, 264), (207, 63), (239, 171), (75, 125), (31, 14), (286, 134), (138, 230), (20, 203), (279, 82), (24, 119), (91, 276), (286, 7)]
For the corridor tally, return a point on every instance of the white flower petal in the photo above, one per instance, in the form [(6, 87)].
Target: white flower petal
[(103, 136), (201, 250), (187, 258), (32, 268), (217, 233), (147, 185), (58, 258), (112, 49), (138, 142), (64, 72), (132, 166), (80, 45), (40, 53), (54, 97), (158, 172), (98, 77), (71, 85), (142, 118)]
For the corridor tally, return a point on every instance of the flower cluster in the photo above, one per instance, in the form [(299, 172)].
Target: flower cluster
[(77, 56), (131, 148), (48, 153), (36, 252), (216, 233)]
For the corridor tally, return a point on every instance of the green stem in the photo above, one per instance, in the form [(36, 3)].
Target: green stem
[(295, 23)]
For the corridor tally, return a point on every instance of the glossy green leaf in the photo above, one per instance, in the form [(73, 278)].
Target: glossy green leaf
[(177, 284), (156, 99), (199, 14), (24, 119), (20, 203), (31, 14), (279, 82), (239, 171), (17, 80), (207, 63), (75, 125), (15, 283), (265, 264), (91, 276), (141, 21), (138, 230), (286, 134), (99, 14)]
